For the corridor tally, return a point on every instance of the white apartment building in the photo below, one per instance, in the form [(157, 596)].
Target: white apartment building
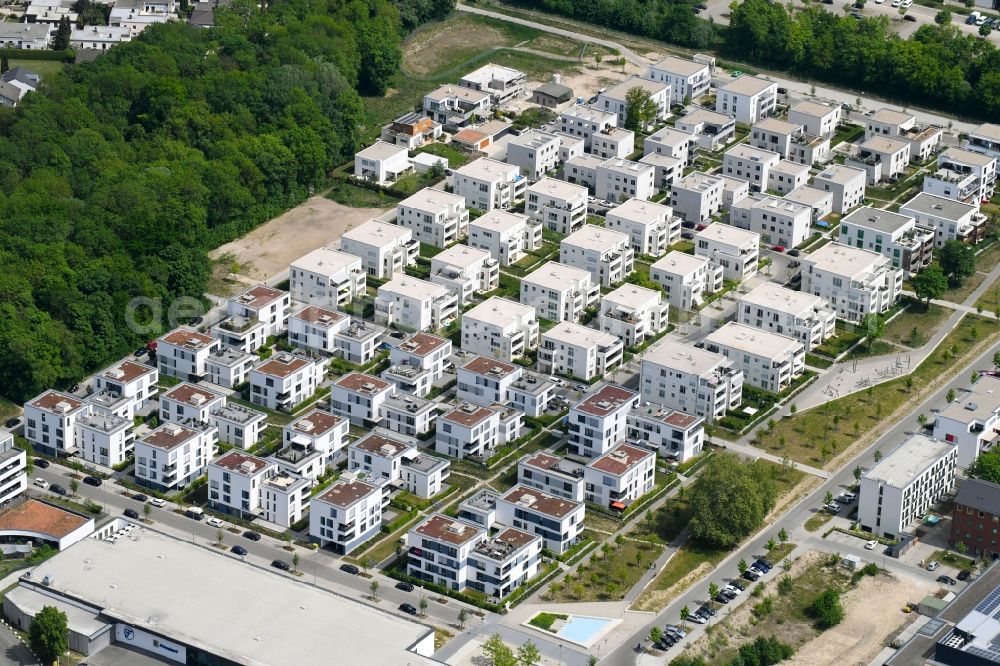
[(736, 250), (607, 255), (570, 146), (552, 475), (381, 162), (777, 221), (228, 367), (633, 313), (238, 425), (963, 175), (506, 236), (891, 234), (315, 328), (598, 423), (687, 279), (535, 152), (801, 315), (408, 414), (240, 333), (747, 99), (359, 397), (900, 488), (439, 551), (312, 442), (855, 282), (613, 142), (560, 206), (187, 404), (886, 122), (579, 351), (357, 343), (425, 351), (434, 216), (847, 185), (620, 179), (50, 422), (881, 158), (503, 83), (666, 170), (234, 481), (286, 379), (104, 439), (455, 106), (774, 135), (346, 515), (27, 35), (415, 304), (586, 121), (465, 270), (262, 304), (688, 80), (734, 190), (469, 430), (411, 130), (971, 421), (786, 176), (820, 201), (768, 360), (487, 184), (691, 380), (582, 170), (13, 468), (559, 292), (697, 196), (709, 130), (750, 164), (504, 562), (385, 249), (984, 140), (500, 328), (327, 277), (651, 227), (619, 477), (671, 142), (671, 434), (182, 353), (815, 118), (173, 455), (135, 382), (614, 99), (946, 218), (531, 394), (392, 460), (558, 521), (485, 381)]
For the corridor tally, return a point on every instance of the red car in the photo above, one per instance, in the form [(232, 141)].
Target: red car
[(778, 248)]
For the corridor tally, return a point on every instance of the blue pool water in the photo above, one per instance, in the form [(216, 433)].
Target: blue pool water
[(581, 629)]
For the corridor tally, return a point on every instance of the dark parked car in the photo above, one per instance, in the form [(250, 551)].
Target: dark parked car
[(782, 91), (721, 598), (41, 462), (141, 351), (253, 536), (281, 564), (793, 253), (195, 321), (947, 580), (687, 235), (131, 513), (92, 481), (687, 224), (408, 608), (238, 550), (139, 497), (750, 574), (12, 423), (964, 574), (404, 586), (910, 17), (729, 594), (58, 490), (762, 566), (350, 568), (701, 5), (707, 610), (738, 585)]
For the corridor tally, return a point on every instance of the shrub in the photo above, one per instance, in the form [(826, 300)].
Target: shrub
[(826, 609)]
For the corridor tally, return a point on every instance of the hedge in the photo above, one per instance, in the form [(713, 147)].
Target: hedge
[(68, 55)]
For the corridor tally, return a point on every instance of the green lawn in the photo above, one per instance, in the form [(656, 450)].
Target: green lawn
[(818, 520), (611, 572), (915, 326), (686, 560), (355, 196), (43, 68), (8, 409)]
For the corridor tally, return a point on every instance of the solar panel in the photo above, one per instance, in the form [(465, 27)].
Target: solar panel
[(990, 603), (990, 655)]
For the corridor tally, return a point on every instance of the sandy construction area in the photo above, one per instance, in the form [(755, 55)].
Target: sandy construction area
[(268, 249)]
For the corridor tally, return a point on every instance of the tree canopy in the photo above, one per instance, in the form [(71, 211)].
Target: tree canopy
[(930, 283), (49, 634), (958, 260), (730, 500), (986, 466)]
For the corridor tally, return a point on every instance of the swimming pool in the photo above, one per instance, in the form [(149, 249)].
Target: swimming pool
[(582, 630)]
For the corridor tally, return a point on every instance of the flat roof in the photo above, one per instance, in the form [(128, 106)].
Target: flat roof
[(680, 66), (965, 157), (241, 463), (696, 180), (488, 169), (490, 72), (36, 516), (578, 335), (553, 464), (728, 234), (680, 263), (534, 138), (382, 446), (588, 113), (316, 315), (987, 130), (842, 259), (753, 340), (553, 274), (978, 403), (592, 237), (632, 296), (622, 165), (620, 89), (422, 344), (238, 413), (686, 358), (459, 92), (499, 220), (430, 200), (189, 394), (777, 126), (316, 422), (670, 136), (188, 338), (808, 195), (199, 596), (747, 85), (838, 173), (558, 189), (671, 417), (883, 144), (909, 460), (168, 436), (620, 459), (499, 311), (813, 109), (283, 364), (54, 401), (585, 161), (928, 204), (640, 210), (704, 115), (605, 400), (461, 256), (878, 219), (536, 500), (747, 152), (783, 299), (890, 117), (347, 493), (378, 234), (468, 415), (788, 166), (449, 530), (259, 296), (126, 371), (415, 288), (496, 368), (326, 261), (362, 383)]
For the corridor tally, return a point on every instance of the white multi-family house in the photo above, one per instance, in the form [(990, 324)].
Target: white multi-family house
[(262, 304), (357, 343), (709, 130), (552, 475), (963, 175), (672, 434), (415, 304), (946, 218), (439, 551), (819, 201), (506, 236), (736, 250), (902, 486), (346, 515), (531, 394), (633, 313), (970, 422), (358, 397), (560, 206), (579, 351), (768, 360), (855, 282), (582, 170), (327, 277), (615, 98), (408, 415), (104, 439), (500, 328), (620, 179), (50, 422), (238, 425), (886, 122), (687, 279), (585, 121), (598, 423), (486, 381), (847, 185), (229, 367), (535, 152), (570, 146), (803, 316), (607, 255), (747, 99), (734, 190), (241, 333), (392, 460), (480, 509), (505, 562), (182, 353), (234, 481), (666, 170), (613, 142), (312, 442), (286, 379), (559, 292), (502, 83), (881, 158), (381, 162), (187, 403), (688, 80), (425, 351), (13, 467), (690, 380), (411, 130), (468, 430), (984, 140), (750, 164), (385, 249), (173, 455), (315, 328), (619, 477), (465, 270), (787, 175), (26, 35), (135, 382), (894, 235), (697, 196), (558, 521), (455, 106), (774, 135), (435, 217), (671, 142), (109, 404), (816, 119), (777, 221), (487, 184), (651, 227)]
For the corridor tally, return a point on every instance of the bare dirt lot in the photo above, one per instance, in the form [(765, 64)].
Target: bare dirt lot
[(445, 44), (268, 249)]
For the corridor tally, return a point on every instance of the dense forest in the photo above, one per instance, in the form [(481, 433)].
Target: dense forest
[(937, 67), (119, 176)]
